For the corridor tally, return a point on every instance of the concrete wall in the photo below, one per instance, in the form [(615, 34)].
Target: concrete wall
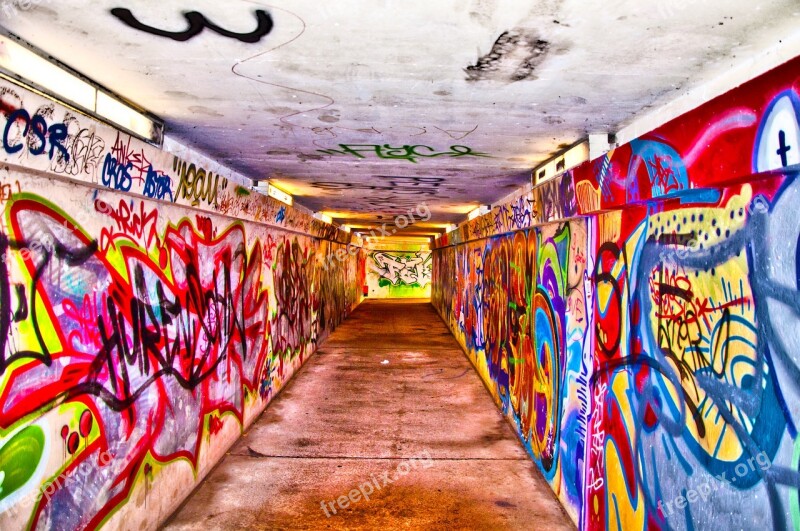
[(637, 319), (399, 274), (151, 306)]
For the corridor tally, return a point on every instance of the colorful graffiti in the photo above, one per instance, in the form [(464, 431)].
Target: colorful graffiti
[(139, 337), (647, 349), (39, 134), (518, 304), (399, 274)]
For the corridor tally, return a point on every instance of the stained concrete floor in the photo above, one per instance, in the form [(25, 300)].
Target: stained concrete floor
[(348, 418)]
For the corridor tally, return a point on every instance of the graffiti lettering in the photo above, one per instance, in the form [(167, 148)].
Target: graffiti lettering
[(397, 269), (197, 22), (7, 190), (408, 153), (157, 185), (116, 175), (196, 184), (39, 135)]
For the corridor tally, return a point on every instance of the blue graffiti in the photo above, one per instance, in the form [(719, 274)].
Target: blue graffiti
[(117, 176), (37, 133), (665, 169), (157, 185)]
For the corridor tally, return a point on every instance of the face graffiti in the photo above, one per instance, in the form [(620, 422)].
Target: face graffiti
[(646, 350)]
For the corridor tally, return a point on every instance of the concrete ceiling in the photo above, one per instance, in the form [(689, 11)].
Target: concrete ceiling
[(491, 87)]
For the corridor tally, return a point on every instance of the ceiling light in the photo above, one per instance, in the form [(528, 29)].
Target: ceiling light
[(280, 195), (126, 117), (564, 161), (22, 63), (478, 212), (322, 216)]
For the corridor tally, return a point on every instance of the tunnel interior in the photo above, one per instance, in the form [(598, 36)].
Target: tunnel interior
[(540, 260)]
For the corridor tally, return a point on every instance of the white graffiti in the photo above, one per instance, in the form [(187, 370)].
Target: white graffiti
[(403, 268)]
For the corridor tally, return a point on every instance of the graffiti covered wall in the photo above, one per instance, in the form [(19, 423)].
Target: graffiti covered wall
[(141, 330), (399, 274), (519, 305), (643, 337)]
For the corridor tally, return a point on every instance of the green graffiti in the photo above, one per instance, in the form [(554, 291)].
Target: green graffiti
[(409, 153), (414, 291), (19, 458)]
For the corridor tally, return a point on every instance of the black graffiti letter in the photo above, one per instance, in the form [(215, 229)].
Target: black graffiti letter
[(197, 22)]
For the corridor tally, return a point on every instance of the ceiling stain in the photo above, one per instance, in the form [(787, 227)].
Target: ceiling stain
[(514, 56), (200, 109)]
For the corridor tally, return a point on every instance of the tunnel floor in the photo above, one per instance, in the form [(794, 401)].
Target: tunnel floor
[(388, 404)]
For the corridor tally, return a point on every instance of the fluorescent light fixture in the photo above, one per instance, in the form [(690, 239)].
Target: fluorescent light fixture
[(23, 63), (280, 195), (564, 161), (450, 228), (322, 216), (345, 228), (126, 117), (478, 212)]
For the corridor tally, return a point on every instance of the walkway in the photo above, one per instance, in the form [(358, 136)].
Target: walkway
[(389, 396)]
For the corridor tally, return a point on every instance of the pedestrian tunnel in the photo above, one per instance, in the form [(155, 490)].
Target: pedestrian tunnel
[(303, 266)]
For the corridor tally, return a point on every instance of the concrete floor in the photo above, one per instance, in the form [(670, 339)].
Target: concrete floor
[(349, 417)]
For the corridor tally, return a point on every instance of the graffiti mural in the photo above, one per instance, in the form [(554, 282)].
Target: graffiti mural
[(41, 135), (138, 337), (518, 304), (642, 335), (399, 274)]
